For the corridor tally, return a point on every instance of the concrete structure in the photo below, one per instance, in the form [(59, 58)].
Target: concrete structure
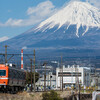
[(72, 75), (98, 70), (99, 83), (95, 80), (50, 80)]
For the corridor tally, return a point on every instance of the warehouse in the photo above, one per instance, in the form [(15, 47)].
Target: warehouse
[(72, 75), (50, 80)]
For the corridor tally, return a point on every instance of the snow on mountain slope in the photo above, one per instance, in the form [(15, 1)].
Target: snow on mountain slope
[(62, 29), (75, 13)]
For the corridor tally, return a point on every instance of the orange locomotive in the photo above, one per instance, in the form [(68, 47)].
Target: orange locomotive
[(11, 79)]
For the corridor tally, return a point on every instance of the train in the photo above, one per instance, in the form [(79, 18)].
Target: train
[(11, 78)]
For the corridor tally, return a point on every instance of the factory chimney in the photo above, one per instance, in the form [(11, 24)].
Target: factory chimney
[(21, 58)]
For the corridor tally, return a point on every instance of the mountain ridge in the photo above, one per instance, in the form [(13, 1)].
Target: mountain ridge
[(75, 13), (57, 37)]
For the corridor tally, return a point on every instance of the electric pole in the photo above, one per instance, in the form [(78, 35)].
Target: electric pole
[(34, 70), (31, 74), (79, 91), (60, 78), (76, 78), (6, 53), (45, 77), (62, 73), (50, 80)]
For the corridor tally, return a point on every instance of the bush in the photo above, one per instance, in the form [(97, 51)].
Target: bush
[(51, 96)]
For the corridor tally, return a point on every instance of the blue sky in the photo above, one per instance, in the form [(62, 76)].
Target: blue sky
[(17, 16)]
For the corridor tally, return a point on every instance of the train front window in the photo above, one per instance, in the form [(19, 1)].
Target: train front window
[(2, 72)]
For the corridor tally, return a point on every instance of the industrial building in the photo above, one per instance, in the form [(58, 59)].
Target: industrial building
[(50, 80), (72, 75)]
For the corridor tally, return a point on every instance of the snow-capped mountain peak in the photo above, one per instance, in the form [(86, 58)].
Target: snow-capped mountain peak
[(75, 13)]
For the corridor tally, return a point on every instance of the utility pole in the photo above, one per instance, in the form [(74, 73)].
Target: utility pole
[(95, 78), (72, 84), (79, 92), (6, 53), (62, 73), (31, 74), (60, 77), (77, 78), (50, 80), (34, 70), (45, 77)]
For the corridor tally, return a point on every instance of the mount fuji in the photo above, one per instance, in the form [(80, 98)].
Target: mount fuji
[(75, 26)]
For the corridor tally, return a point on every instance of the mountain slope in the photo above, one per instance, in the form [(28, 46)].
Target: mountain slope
[(76, 13), (75, 26)]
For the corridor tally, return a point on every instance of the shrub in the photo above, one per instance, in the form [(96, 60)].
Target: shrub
[(51, 96)]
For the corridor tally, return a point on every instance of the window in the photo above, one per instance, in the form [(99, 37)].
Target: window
[(2, 72), (69, 74)]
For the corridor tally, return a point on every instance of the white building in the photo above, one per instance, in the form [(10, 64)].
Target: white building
[(50, 80), (95, 80), (72, 75)]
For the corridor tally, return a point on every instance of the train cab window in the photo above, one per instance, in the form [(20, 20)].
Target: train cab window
[(2, 72)]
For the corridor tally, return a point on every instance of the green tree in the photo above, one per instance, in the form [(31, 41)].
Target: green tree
[(28, 77), (51, 96)]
